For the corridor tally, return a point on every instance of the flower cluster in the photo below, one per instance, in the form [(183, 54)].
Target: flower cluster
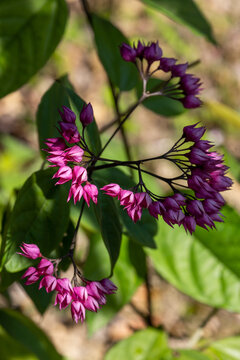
[(203, 171), (68, 158), (90, 297), (187, 86)]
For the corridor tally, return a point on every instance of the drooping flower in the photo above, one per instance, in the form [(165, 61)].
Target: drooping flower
[(30, 251)]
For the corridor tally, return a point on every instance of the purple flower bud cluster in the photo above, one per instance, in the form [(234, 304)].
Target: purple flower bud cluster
[(204, 172), (187, 87), (91, 296), (63, 156)]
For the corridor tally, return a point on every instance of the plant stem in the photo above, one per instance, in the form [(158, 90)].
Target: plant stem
[(73, 243)]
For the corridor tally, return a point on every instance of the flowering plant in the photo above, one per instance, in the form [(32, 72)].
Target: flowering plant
[(134, 218)]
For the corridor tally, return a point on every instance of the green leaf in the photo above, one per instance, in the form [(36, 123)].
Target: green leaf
[(40, 216), (226, 349), (110, 226), (143, 231), (59, 94), (17, 352), (161, 105), (204, 266), (185, 12), (30, 32), (126, 277), (108, 39), (190, 355), (149, 344), (23, 330), (40, 298)]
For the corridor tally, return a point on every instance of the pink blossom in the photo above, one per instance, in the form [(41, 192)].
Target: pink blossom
[(32, 275), (126, 197), (31, 251), (45, 267), (91, 304), (80, 293), (76, 191), (55, 144), (78, 311), (70, 132), (64, 174), (79, 175), (64, 286), (90, 191), (143, 199), (74, 154), (111, 189), (63, 300), (49, 282)]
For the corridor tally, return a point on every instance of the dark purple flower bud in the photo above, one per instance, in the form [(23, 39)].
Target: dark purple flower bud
[(190, 84), (166, 64), (86, 115), (204, 221), (109, 286), (170, 203), (152, 52), (219, 199), (179, 70), (203, 145), (128, 53), (216, 217), (69, 132), (191, 102), (195, 207), (67, 115), (191, 133), (189, 224), (197, 156), (143, 199), (179, 198), (139, 49), (154, 209), (175, 217), (211, 206), (220, 183)]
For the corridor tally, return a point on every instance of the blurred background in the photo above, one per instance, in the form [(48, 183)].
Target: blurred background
[(217, 66)]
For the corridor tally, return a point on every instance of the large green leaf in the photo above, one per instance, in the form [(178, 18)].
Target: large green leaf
[(31, 337), (185, 12), (59, 94), (40, 216), (190, 355), (110, 226), (108, 40), (17, 352), (226, 349), (126, 276), (204, 266), (30, 32), (149, 344)]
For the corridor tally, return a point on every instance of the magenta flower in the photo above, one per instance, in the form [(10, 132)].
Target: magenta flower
[(111, 189), (80, 293), (86, 115), (69, 132), (64, 174), (45, 267), (64, 286), (49, 282), (55, 144), (30, 251), (128, 53), (63, 300), (192, 133), (32, 275), (91, 304), (78, 311), (79, 175), (90, 191), (76, 191)]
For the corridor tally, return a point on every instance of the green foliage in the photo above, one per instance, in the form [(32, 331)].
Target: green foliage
[(59, 94), (35, 219), (225, 349), (149, 344), (185, 12), (30, 32), (126, 277), (108, 39), (203, 266), (22, 330), (190, 355)]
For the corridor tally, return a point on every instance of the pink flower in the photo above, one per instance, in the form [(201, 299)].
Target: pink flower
[(143, 199), (63, 300), (31, 251), (74, 154), (126, 197), (76, 191), (49, 282), (32, 275), (45, 267), (79, 175), (64, 174), (70, 132), (134, 212), (91, 304), (55, 144), (78, 311), (64, 286), (111, 189), (90, 191), (80, 293)]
